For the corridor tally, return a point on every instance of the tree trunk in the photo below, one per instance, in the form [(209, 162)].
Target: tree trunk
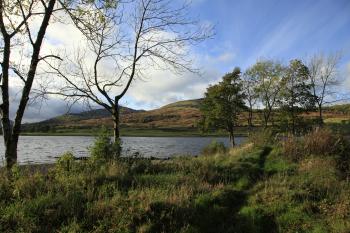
[(5, 106), (266, 120), (232, 138), (11, 133), (116, 129), (11, 153), (116, 132), (320, 120), (293, 121), (250, 118)]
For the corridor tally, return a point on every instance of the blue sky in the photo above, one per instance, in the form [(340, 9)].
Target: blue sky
[(248, 30), (277, 29)]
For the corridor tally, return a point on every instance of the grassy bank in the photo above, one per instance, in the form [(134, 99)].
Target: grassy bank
[(300, 185)]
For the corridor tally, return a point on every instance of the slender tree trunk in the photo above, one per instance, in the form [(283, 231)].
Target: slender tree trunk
[(116, 127), (116, 131), (10, 155), (250, 118), (232, 138), (266, 119), (320, 111), (293, 121), (11, 133)]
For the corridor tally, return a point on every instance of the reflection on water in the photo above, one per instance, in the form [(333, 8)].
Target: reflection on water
[(46, 149)]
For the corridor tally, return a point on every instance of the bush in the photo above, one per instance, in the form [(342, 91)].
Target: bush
[(319, 142), (104, 148), (214, 148), (262, 138), (293, 148), (322, 141), (65, 162)]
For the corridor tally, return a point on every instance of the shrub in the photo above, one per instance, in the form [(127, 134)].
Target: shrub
[(322, 141), (214, 148), (319, 142), (65, 162), (104, 148), (262, 138), (293, 148)]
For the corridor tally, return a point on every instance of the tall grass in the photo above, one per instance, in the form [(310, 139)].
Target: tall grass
[(320, 142), (250, 189)]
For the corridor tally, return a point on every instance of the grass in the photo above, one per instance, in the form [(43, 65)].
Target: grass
[(250, 189)]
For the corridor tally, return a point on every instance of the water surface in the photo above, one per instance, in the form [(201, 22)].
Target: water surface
[(46, 149)]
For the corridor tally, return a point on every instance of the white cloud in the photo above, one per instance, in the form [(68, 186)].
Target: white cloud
[(347, 76), (226, 57), (160, 87), (163, 87)]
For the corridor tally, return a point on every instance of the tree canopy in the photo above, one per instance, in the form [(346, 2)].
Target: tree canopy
[(223, 102)]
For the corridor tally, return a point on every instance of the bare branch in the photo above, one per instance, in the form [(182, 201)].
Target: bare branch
[(50, 56)]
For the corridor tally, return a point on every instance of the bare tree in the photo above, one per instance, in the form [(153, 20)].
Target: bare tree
[(122, 47), (23, 25), (10, 27), (323, 72)]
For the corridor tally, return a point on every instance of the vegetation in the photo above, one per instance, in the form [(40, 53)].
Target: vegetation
[(222, 104), (267, 75), (261, 186), (296, 95), (104, 148)]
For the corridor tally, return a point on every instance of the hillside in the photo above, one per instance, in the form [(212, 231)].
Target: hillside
[(182, 114), (181, 117)]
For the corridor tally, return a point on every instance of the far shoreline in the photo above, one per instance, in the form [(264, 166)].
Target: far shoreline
[(140, 132), (130, 135)]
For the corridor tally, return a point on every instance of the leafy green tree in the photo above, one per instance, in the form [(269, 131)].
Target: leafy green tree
[(223, 102), (250, 83), (268, 75), (296, 95)]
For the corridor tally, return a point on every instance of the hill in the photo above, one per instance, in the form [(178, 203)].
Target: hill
[(86, 115), (175, 119), (182, 114)]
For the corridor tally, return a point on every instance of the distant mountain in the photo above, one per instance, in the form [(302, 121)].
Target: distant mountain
[(91, 114), (178, 114)]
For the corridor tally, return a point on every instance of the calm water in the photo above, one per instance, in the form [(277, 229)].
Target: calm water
[(46, 149)]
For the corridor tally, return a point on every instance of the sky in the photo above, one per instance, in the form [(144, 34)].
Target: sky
[(245, 31)]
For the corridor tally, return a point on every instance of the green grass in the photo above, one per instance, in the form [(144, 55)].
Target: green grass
[(250, 189)]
